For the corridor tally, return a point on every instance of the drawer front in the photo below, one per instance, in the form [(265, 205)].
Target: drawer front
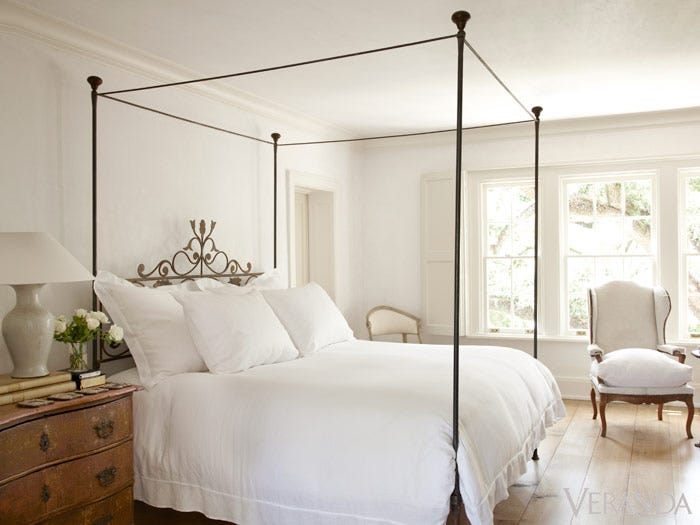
[(115, 510), (69, 484), (53, 438)]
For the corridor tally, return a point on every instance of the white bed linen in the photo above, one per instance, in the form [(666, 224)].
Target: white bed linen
[(359, 433)]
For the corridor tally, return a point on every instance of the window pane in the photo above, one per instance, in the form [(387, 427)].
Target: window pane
[(638, 198), (580, 274), (523, 292), (498, 276), (581, 237), (498, 204), (524, 237), (693, 263), (499, 239), (499, 311), (578, 312), (608, 269), (639, 270), (694, 314), (693, 231), (692, 196), (637, 236), (580, 202), (609, 199), (607, 237)]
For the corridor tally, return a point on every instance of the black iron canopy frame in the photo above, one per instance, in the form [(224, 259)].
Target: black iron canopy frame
[(460, 19)]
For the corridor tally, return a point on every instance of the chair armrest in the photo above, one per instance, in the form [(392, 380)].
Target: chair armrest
[(595, 352), (676, 351)]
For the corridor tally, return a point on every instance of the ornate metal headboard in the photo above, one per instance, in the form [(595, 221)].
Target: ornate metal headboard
[(199, 258)]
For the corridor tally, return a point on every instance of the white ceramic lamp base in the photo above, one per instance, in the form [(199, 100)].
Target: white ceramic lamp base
[(28, 332)]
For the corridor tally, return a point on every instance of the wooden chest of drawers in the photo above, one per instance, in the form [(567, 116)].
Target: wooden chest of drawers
[(70, 462)]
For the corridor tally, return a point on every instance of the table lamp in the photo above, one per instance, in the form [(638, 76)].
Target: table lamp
[(28, 260)]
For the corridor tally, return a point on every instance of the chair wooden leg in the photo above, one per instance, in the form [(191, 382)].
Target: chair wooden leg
[(603, 402), (660, 412), (595, 407), (691, 413)]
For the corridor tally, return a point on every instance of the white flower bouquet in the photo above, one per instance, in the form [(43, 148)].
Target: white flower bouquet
[(84, 326)]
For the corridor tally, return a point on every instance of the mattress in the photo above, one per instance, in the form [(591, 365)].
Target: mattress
[(359, 433)]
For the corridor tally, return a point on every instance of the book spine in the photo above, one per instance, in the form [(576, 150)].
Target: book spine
[(34, 382), (43, 391)]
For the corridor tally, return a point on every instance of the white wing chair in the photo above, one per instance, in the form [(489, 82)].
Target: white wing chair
[(631, 319), (387, 320)]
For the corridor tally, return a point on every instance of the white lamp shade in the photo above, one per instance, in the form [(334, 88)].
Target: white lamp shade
[(37, 258)]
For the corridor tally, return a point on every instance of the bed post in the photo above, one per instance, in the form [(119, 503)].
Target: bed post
[(460, 18), (94, 84), (275, 139), (536, 111)]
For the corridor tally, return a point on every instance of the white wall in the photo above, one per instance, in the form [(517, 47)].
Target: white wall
[(391, 204), (154, 173)]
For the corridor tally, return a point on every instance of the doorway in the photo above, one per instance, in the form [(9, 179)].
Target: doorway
[(314, 238)]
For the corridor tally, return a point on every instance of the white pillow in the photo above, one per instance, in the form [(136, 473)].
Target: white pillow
[(154, 327), (234, 329), (310, 316), (640, 367)]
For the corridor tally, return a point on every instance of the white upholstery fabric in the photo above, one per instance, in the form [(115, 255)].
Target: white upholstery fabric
[(387, 321), (641, 391), (640, 367), (623, 316)]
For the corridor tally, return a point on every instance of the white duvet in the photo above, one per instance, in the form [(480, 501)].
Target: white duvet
[(359, 433)]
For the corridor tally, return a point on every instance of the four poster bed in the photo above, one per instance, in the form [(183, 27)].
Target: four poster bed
[(357, 432)]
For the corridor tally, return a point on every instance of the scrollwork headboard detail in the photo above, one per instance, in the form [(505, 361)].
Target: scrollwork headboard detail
[(200, 258)]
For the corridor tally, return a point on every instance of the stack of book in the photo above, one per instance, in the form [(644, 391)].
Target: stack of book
[(14, 390), (88, 379)]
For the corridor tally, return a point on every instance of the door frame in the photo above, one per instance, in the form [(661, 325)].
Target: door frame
[(309, 181)]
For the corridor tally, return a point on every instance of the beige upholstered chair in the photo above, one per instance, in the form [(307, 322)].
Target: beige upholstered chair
[(386, 320), (625, 315)]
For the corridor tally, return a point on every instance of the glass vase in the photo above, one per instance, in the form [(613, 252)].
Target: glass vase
[(78, 358)]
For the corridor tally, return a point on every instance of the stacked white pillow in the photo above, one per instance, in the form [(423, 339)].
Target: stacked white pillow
[(234, 329), (154, 326), (207, 324), (310, 316)]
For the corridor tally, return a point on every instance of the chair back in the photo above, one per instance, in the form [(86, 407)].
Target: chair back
[(623, 314), (386, 320)]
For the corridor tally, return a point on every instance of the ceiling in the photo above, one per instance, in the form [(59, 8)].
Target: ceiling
[(576, 58)]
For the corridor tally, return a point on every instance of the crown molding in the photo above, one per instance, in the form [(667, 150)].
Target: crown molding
[(21, 20), (598, 124)]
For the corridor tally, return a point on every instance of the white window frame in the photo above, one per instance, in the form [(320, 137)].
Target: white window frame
[(484, 255), (684, 173), (597, 177)]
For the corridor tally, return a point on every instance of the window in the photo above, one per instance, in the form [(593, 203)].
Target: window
[(690, 249), (637, 220), (609, 222), (508, 223)]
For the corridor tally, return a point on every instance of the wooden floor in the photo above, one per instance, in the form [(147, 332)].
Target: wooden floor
[(645, 472)]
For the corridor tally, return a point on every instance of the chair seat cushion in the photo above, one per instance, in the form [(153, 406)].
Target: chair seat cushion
[(641, 368), (642, 391)]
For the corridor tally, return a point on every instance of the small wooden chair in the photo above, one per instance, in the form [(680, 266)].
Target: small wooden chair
[(387, 320)]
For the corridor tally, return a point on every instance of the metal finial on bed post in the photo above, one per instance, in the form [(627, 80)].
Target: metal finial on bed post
[(275, 139), (460, 18), (94, 82)]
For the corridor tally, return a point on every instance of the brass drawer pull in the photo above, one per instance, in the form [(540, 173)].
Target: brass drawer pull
[(104, 520), (45, 493), (44, 442), (107, 476), (104, 429)]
